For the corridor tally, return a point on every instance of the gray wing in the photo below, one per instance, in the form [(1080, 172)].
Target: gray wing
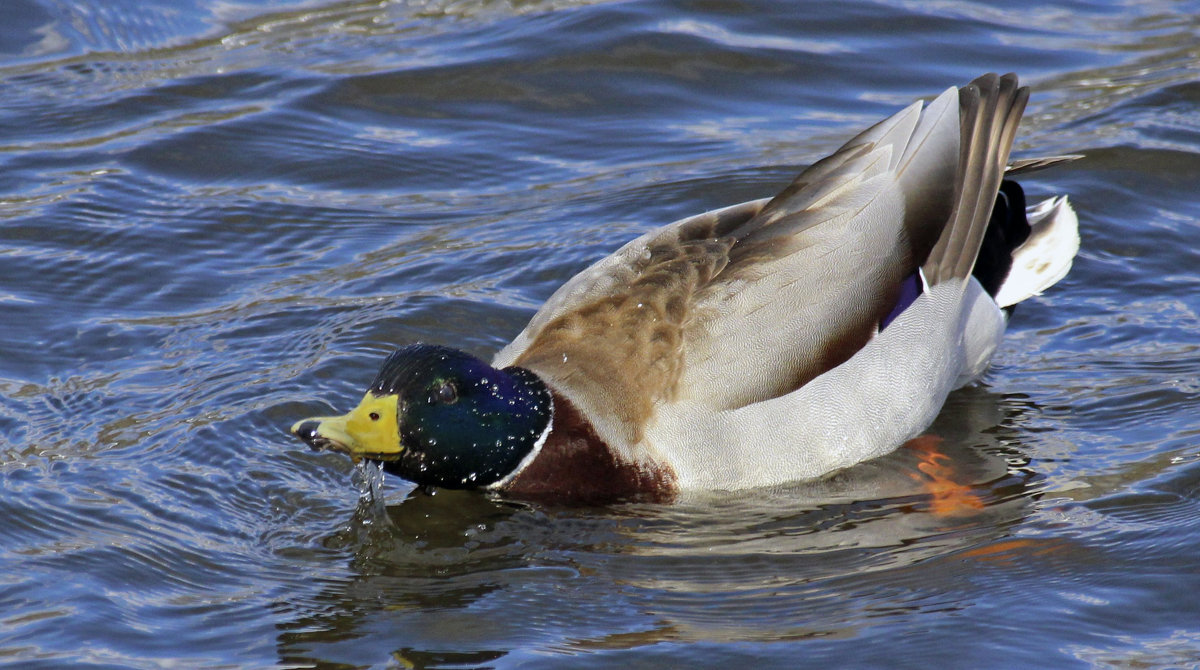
[(822, 264), (752, 301)]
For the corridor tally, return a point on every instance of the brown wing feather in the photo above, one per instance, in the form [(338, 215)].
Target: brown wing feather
[(621, 350)]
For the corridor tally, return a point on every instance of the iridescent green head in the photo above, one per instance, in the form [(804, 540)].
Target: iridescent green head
[(438, 416)]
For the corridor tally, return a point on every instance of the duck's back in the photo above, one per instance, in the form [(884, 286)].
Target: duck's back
[(694, 330)]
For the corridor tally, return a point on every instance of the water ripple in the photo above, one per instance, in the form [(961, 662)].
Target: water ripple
[(219, 217)]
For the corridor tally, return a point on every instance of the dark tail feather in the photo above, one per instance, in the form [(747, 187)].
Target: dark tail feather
[(989, 110), (1007, 229)]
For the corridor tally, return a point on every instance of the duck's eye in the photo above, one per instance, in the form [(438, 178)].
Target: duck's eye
[(374, 416), (446, 393)]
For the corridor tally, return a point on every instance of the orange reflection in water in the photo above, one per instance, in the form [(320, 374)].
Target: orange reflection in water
[(947, 497)]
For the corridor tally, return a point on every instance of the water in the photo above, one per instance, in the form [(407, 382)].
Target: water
[(216, 218)]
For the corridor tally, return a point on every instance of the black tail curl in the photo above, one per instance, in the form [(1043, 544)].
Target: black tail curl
[(1007, 230)]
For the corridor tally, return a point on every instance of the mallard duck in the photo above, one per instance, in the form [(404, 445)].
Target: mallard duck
[(766, 342)]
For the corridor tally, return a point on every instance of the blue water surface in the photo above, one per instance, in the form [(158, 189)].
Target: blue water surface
[(218, 217)]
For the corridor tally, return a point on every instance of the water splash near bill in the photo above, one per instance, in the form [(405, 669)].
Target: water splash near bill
[(368, 478)]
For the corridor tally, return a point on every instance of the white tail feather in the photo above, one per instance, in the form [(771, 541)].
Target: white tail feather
[(1046, 256)]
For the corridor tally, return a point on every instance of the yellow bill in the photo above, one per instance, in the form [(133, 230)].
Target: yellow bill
[(370, 430)]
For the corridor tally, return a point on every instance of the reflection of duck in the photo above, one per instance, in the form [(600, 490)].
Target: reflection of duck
[(770, 341), (461, 578), (429, 554)]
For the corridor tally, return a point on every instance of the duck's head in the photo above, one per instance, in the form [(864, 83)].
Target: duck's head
[(438, 416)]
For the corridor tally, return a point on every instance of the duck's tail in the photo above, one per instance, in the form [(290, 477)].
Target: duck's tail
[(989, 109), (1044, 256), (1026, 250), (1013, 252)]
